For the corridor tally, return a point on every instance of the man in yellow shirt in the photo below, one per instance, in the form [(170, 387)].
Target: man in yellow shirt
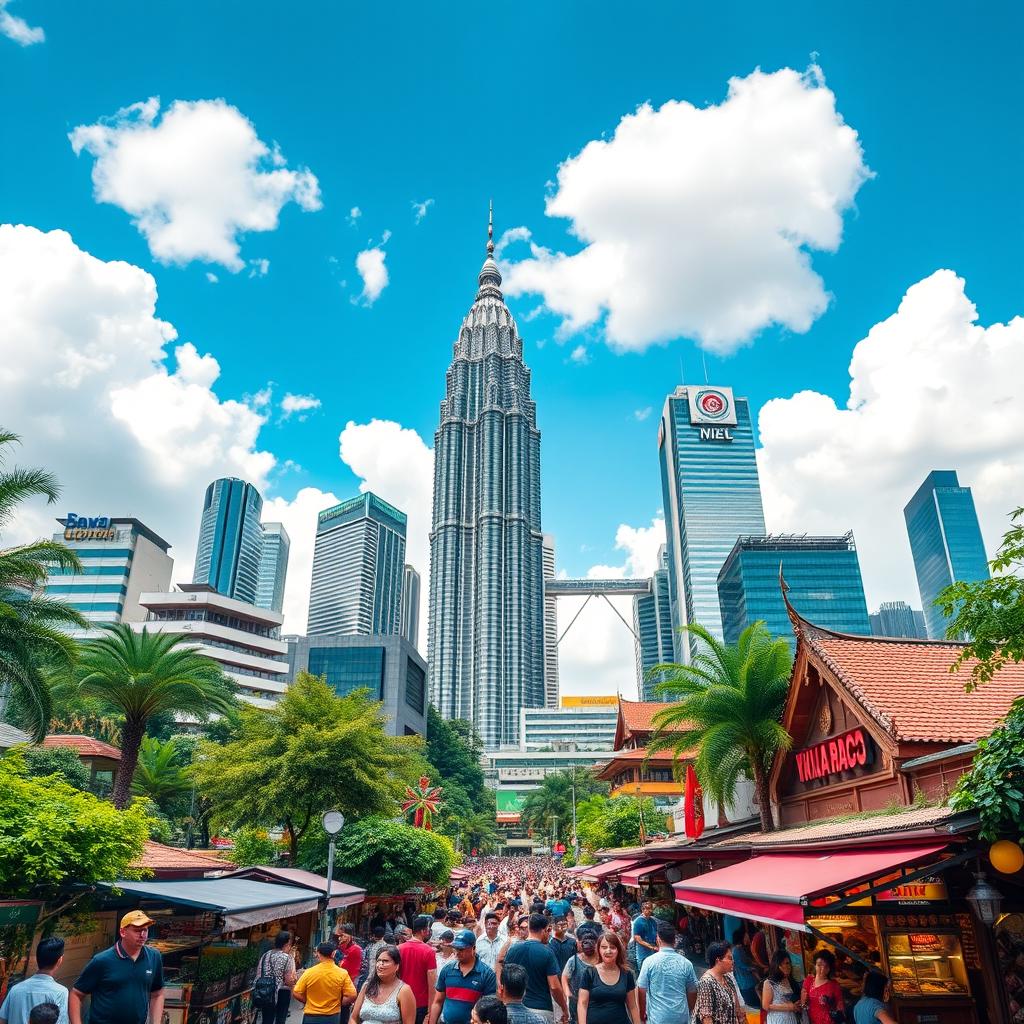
[(324, 988)]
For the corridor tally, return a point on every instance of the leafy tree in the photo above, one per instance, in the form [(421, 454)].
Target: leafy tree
[(479, 832), (382, 855), (990, 612), (63, 762), (253, 846), (994, 786), (554, 798), (158, 774), (53, 835), (139, 675), (312, 751), (728, 707), (609, 822), (33, 641), (454, 749)]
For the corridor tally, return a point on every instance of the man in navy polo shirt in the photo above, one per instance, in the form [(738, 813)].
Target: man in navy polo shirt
[(126, 982), (461, 982)]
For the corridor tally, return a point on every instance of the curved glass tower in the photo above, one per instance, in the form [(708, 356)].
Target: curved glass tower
[(230, 539), (486, 628)]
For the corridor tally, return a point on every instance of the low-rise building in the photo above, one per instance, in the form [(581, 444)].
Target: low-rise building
[(581, 723)]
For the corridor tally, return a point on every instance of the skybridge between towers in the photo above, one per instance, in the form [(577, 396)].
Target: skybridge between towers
[(596, 588)]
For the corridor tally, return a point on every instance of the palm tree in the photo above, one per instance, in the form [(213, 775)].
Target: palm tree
[(728, 707), (158, 774), (480, 832), (138, 675), (33, 641)]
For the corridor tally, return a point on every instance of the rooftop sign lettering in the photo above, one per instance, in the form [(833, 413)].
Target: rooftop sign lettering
[(846, 752), (78, 527)]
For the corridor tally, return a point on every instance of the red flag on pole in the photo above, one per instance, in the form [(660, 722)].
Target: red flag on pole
[(693, 805)]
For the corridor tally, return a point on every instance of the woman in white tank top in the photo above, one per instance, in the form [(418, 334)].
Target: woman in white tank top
[(385, 998)]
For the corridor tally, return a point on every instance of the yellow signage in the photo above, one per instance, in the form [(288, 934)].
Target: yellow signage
[(590, 702)]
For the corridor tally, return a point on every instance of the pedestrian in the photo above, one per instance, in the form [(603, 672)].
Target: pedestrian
[(278, 963), (779, 996), (743, 967), (645, 933), (325, 989), (40, 988), (871, 1005), (608, 991), (543, 976), (379, 941), (125, 982), (445, 952), (385, 998), (512, 989), (667, 986), (44, 1013), (572, 976), (821, 993), (718, 999), (419, 966), (438, 924), (461, 983), (620, 921), (489, 944), (489, 1010), (562, 944)]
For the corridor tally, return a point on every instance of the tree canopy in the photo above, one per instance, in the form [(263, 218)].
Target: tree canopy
[(553, 799), (606, 823), (991, 612), (60, 761)]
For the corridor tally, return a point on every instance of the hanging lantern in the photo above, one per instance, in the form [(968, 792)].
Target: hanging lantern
[(985, 900), (1006, 856)]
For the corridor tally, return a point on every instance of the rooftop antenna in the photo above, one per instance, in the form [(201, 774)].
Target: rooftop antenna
[(682, 376), (704, 360), (490, 226)]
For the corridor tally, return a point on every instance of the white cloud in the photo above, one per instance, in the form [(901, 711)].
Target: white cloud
[(597, 655), (930, 389), (17, 28), (300, 404), (124, 434), (259, 267), (419, 210), (641, 414), (193, 181), (371, 268), (212, 278), (353, 215), (699, 222), (579, 355)]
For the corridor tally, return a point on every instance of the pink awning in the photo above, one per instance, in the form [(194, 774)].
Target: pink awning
[(597, 872), (777, 887), (633, 877)]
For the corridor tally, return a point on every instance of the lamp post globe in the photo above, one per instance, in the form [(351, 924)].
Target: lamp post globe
[(333, 822)]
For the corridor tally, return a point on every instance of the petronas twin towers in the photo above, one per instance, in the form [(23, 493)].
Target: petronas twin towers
[(486, 635)]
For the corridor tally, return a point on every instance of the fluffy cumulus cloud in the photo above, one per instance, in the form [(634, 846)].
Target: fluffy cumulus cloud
[(700, 222), (125, 433), (300, 405), (930, 388), (371, 266), (17, 28), (598, 654), (195, 179)]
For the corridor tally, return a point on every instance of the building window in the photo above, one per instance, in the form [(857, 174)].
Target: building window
[(350, 668), (415, 686)]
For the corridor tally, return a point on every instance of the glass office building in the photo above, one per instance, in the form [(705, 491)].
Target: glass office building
[(550, 628), (230, 540), (273, 571), (410, 614), (897, 618), (652, 626), (712, 496), (358, 569), (822, 576), (945, 541)]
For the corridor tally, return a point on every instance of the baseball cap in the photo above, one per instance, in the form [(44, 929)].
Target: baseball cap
[(464, 939), (136, 918)]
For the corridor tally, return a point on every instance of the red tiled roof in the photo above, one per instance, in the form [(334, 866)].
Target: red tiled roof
[(157, 857), (907, 686), (84, 746), (638, 715), (658, 757)]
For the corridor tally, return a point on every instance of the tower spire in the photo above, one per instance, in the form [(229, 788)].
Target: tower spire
[(490, 227), (490, 277)]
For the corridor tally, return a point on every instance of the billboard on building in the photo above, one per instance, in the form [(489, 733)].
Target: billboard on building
[(712, 405)]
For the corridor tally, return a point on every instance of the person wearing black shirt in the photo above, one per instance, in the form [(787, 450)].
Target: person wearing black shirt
[(608, 991)]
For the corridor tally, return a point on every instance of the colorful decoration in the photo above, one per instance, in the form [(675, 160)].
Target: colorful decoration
[(693, 805), (424, 801), (1006, 856)]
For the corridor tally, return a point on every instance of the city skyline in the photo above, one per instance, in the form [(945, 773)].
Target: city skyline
[(226, 342)]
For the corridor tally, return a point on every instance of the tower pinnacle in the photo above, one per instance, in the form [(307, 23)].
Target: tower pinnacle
[(490, 227), (490, 277)]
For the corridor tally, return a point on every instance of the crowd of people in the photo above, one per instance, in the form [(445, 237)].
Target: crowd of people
[(518, 941)]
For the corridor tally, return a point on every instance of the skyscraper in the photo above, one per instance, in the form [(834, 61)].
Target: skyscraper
[(822, 577), (230, 539), (897, 618), (712, 495), (410, 614), (273, 572), (945, 540), (358, 569), (486, 619), (550, 629), (652, 624)]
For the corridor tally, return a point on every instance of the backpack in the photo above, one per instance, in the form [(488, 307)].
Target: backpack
[(264, 991)]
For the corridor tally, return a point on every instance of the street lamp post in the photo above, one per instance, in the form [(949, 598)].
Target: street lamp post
[(333, 822)]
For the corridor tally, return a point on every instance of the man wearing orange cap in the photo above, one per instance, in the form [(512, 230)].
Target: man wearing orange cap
[(126, 982)]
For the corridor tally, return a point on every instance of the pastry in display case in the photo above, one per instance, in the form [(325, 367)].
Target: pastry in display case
[(926, 964)]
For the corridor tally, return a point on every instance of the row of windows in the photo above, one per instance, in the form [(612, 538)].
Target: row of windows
[(91, 570), (415, 686), (86, 588), (217, 618), (350, 668), (98, 606)]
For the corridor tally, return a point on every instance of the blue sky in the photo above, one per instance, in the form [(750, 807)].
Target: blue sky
[(456, 104)]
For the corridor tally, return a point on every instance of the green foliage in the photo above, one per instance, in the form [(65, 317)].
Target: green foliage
[(728, 708), (33, 643), (609, 822), (554, 799), (53, 835), (312, 751), (454, 749), (62, 762), (140, 675), (253, 846), (159, 774), (384, 856), (990, 612), (994, 786)]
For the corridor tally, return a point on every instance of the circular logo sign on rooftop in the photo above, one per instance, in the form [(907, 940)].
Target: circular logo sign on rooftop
[(713, 403)]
